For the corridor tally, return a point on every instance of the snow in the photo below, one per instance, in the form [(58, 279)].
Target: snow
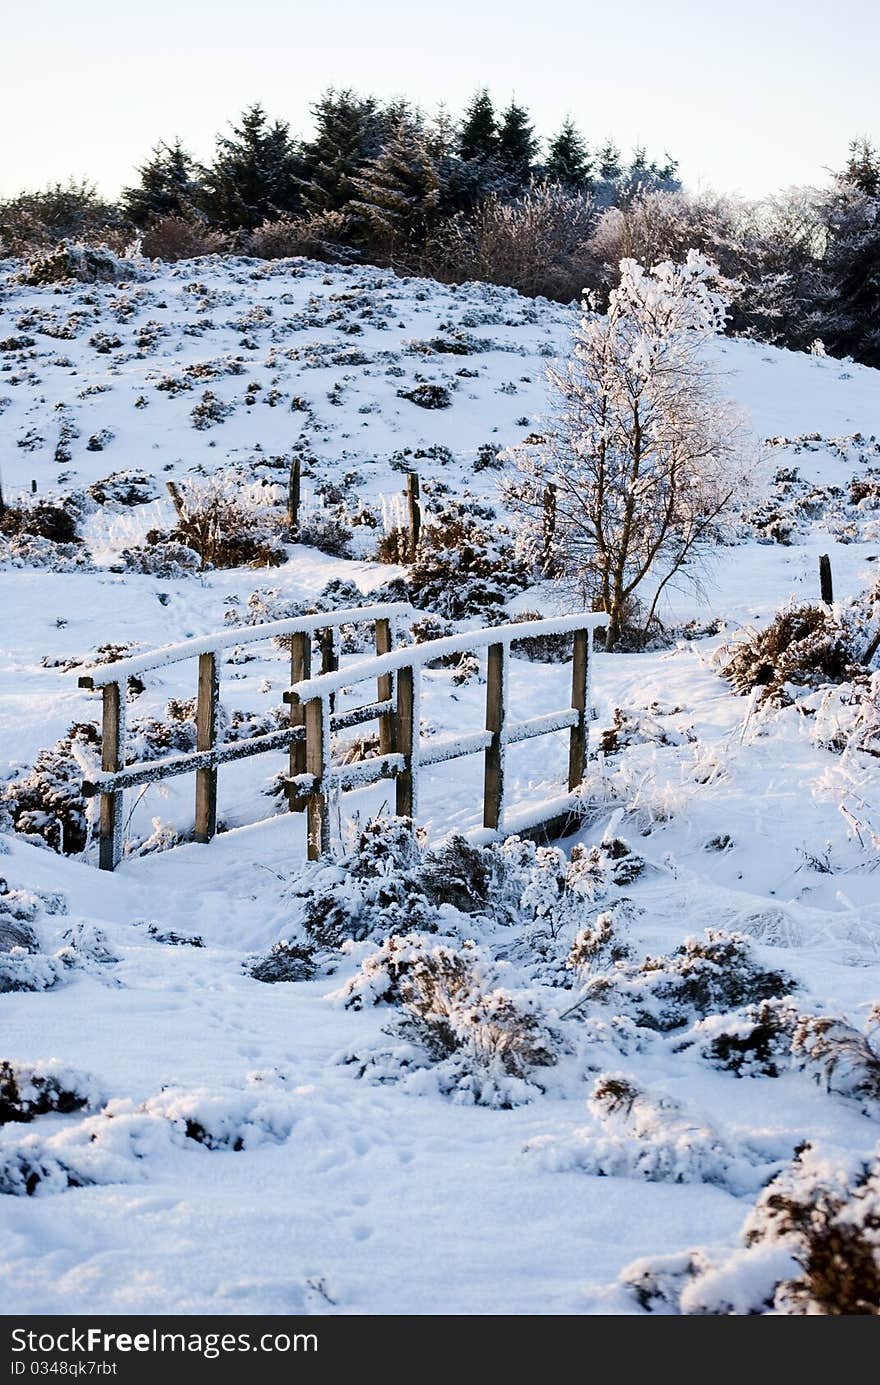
[(341, 1182)]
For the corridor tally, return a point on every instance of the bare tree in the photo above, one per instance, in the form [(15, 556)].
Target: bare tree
[(644, 455)]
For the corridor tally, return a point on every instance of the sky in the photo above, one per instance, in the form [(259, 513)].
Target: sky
[(750, 98)]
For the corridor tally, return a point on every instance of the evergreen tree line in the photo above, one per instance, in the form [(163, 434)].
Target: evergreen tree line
[(478, 198)]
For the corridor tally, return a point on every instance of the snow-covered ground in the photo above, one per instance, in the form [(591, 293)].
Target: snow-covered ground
[(364, 1184)]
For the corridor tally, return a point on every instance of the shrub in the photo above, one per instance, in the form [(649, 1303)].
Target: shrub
[(71, 261), (483, 1042), (542, 649), (321, 236), (27, 1092), (173, 238), (810, 1247), (325, 533), (701, 977), (755, 1042), (650, 1135), (224, 528), (41, 520), (803, 646), (125, 488), (427, 396), (840, 1056), (285, 962), (460, 571)]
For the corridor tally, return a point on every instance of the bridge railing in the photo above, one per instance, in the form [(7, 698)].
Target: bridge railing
[(111, 680), (408, 756)]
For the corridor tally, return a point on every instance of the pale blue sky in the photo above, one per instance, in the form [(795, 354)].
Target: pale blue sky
[(750, 96)]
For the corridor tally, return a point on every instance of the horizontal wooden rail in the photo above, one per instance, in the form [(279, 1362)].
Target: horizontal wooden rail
[(313, 779), (313, 697), (99, 675), (116, 776), (420, 655)]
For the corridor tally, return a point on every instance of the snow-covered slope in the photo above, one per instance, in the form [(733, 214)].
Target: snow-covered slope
[(395, 1191)]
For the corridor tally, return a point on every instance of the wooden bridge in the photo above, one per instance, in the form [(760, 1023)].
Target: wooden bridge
[(313, 778)]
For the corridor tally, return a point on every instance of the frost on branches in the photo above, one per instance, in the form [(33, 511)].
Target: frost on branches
[(644, 455)]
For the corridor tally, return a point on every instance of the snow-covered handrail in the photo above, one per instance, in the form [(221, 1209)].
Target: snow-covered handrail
[(99, 675), (417, 656), (313, 697), (116, 774)]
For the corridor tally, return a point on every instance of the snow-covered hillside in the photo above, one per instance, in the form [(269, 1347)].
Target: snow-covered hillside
[(296, 1147)]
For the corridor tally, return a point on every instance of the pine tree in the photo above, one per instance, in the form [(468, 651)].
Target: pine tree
[(517, 145), (349, 131), (863, 168), (568, 159), (398, 193), (254, 175), (609, 161), (170, 185), (478, 133)]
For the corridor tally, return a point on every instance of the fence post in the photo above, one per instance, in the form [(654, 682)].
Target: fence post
[(405, 734), (414, 513), (294, 494), (206, 735), (112, 759), (493, 767), (580, 674), (826, 587), (300, 669), (177, 499), (329, 658), (384, 688), (317, 756)]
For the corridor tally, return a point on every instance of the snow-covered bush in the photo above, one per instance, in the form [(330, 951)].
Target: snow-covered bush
[(649, 1135), (225, 527), (46, 802), (161, 557), (703, 976), (802, 647), (28, 1091), (841, 1056), (482, 1041), (848, 717), (53, 522), (754, 1042), (810, 1247), (462, 570), (85, 264), (285, 961), (374, 891)]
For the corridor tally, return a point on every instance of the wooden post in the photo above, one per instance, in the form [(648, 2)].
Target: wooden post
[(493, 769), (405, 733), (174, 491), (826, 587), (112, 759), (33, 487), (414, 513), (548, 529), (317, 807), (577, 746), (329, 659), (206, 735), (300, 669), (385, 688), (293, 494)]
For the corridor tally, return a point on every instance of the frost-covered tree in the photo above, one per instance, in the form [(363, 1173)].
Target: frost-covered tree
[(170, 185), (852, 260), (254, 174), (568, 158), (643, 453)]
